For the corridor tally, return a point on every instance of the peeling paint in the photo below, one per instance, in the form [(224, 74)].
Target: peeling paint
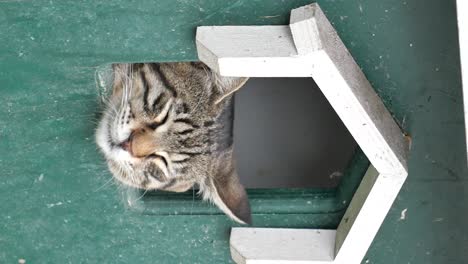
[(403, 214)]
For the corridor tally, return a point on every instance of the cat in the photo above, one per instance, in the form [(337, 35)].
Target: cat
[(168, 126)]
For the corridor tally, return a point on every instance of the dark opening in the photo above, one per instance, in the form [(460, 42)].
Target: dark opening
[(287, 135)]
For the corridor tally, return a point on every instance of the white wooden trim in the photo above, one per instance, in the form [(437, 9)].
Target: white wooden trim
[(253, 51), (369, 219), (310, 47), (278, 245), (462, 13)]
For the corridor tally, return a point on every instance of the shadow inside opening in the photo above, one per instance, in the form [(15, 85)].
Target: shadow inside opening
[(287, 135)]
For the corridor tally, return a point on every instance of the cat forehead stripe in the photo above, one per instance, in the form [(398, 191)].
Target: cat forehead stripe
[(163, 78)]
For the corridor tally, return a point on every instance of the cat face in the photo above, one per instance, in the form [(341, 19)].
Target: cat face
[(169, 126)]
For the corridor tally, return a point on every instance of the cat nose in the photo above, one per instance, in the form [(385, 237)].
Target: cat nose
[(140, 144), (127, 145)]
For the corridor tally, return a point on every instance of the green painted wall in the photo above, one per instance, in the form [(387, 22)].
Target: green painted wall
[(54, 201)]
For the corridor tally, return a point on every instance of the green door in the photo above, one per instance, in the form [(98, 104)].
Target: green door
[(57, 204)]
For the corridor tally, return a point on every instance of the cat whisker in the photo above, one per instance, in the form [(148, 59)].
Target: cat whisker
[(193, 199), (105, 184), (141, 196), (114, 111)]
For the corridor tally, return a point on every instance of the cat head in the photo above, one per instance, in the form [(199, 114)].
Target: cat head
[(168, 126)]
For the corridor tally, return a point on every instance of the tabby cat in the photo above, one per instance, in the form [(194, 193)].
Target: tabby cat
[(168, 126)]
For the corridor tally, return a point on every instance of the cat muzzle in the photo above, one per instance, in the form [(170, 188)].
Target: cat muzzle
[(140, 144)]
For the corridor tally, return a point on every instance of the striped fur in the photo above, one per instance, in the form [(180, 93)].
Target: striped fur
[(168, 126)]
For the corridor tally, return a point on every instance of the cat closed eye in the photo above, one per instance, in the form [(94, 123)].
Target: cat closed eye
[(156, 156), (156, 124)]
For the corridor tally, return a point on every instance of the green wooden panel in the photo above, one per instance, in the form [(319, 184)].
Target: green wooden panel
[(55, 204)]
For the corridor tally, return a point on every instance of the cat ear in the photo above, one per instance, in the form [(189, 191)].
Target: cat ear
[(229, 195), (228, 85), (225, 85)]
